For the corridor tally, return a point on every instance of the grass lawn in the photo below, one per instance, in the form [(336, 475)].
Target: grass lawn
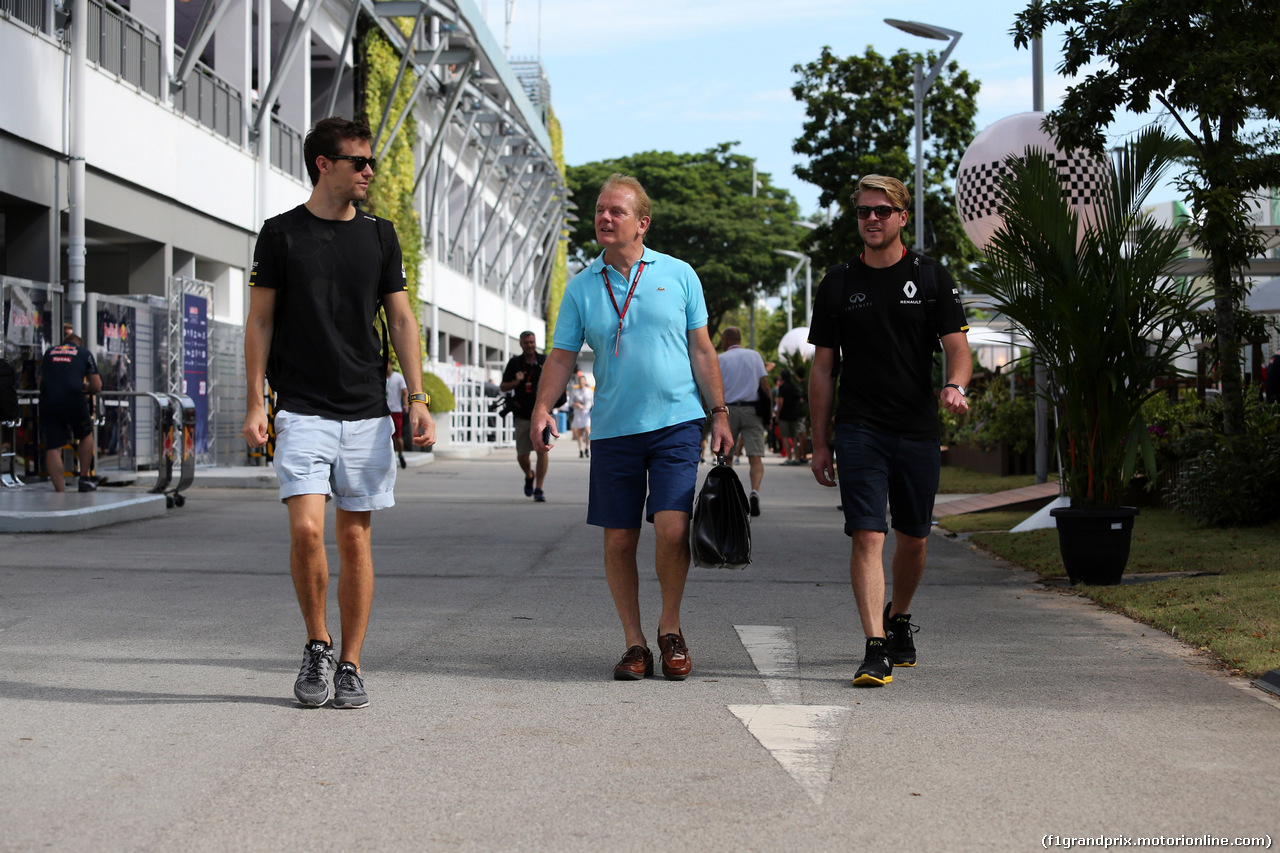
[(1234, 613), (962, 481)]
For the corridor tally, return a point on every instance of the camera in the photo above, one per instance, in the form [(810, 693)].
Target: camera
[(502, 405)]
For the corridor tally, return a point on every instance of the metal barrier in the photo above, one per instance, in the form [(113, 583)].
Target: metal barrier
[(472, 422), (175, 440), (9, 479)]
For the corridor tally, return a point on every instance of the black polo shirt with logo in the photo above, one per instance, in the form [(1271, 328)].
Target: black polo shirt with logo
[(886, 337)]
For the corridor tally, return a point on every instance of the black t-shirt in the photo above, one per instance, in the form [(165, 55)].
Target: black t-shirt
[(789, 394), (886, 337), (329, 276), (525, 394), (62, 374)]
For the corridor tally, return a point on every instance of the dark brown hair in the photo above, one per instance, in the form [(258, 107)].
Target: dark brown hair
[(326, 138)]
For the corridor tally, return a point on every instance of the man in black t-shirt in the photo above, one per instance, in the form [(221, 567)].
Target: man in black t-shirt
[(320, 273), (521, 378), (787, 415), (67, 372), (885, 313)]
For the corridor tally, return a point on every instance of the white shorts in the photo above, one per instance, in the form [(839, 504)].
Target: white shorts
[(351, 461)]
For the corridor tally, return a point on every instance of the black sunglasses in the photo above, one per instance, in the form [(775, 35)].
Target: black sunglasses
[(360, 162), (882, 211)]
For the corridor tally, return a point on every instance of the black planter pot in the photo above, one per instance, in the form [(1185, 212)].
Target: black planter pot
[(1095, 543)]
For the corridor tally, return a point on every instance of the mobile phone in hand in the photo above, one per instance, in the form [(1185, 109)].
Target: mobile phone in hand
[(546, 435)]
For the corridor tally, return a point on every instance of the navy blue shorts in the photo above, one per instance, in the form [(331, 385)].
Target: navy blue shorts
[(63, 422), (875, 468), (662, 465)]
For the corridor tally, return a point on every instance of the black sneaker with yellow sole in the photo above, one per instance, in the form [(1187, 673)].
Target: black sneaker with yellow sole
[(876, 670), (899, 630)]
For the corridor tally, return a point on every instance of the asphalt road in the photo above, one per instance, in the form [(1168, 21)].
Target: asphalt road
[(146, 695)]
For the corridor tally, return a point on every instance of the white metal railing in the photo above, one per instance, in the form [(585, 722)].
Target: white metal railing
[(210, 100), (124, 46), (286, 149), (31, 12), (474, 389)]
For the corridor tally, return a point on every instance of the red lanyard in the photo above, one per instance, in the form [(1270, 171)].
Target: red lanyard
[(617, 343)]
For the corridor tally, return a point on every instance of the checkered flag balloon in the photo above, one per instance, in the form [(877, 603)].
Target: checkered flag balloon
[(977, 182)]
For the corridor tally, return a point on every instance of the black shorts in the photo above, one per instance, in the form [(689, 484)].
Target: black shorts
[(875, 467), (61, 422)]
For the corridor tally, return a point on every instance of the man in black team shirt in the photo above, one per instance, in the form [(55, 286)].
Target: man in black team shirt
[(66, 373), (521, 378), (885, 313), (320, 272)]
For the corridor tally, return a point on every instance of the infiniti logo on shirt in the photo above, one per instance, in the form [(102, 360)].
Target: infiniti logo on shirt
[(858, 300)]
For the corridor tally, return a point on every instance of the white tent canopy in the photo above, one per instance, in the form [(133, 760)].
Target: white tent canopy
[(796, 340)]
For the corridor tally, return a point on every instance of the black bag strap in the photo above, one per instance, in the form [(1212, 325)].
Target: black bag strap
[(384, 244), (838, 273), (927, 274)]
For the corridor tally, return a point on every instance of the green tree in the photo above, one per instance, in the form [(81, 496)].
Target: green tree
[(391, 192), (704, 214), (1213, 66), (861, 121)]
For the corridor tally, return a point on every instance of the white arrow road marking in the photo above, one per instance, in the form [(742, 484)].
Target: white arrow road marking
[(773, 651), (804, 739)]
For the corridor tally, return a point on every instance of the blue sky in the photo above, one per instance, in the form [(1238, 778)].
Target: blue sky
[(680, 75)]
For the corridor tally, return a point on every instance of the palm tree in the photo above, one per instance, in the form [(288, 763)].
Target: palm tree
[(1098, 303)]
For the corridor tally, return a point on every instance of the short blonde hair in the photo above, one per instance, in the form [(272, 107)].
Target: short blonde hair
[(617, 179), (892, 187)]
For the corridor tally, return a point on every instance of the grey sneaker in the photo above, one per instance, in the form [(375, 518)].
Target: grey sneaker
[(348, 687), (312, 686)]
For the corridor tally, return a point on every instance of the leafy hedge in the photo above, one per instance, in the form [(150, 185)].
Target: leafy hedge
[(1226, 481), (442, 399)]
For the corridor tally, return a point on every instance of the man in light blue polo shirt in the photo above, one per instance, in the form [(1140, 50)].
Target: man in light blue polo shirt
[(644, 315)]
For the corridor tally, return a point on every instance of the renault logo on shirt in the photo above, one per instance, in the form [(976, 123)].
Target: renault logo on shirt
[(909, 289)]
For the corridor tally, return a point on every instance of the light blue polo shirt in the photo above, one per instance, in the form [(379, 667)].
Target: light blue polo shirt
[(649, 384)]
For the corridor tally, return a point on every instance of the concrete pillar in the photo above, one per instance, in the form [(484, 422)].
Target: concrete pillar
[(184, 264), (264, 80), (233, 50), (295, 93), (149, 268), (76, 207)]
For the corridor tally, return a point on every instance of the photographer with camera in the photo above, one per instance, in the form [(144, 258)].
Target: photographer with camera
[(521, 378)]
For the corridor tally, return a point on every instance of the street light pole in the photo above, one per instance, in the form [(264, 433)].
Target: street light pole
[(808, 274), (922, 84), (806, 262)]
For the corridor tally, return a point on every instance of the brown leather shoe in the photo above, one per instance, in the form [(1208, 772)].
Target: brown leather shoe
[(636, 664), (676, 663)]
